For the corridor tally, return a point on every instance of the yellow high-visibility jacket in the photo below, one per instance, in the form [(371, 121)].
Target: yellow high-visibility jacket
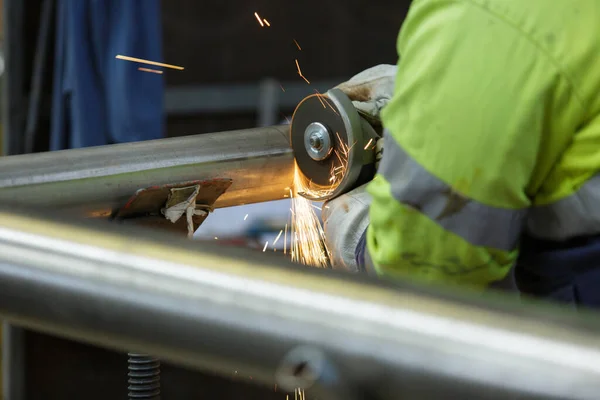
[(494, 130)]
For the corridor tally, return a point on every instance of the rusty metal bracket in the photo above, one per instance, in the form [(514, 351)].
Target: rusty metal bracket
[(152, 206)]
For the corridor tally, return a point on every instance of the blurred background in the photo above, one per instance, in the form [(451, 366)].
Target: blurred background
[(61, 90)]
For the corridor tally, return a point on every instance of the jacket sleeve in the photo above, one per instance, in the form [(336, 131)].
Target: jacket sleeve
[(479, 116)]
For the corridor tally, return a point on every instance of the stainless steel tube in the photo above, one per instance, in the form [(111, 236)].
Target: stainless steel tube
[(240, 314), (95, 180)]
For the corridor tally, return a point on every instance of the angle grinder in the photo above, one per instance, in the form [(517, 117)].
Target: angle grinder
[(334, 146)]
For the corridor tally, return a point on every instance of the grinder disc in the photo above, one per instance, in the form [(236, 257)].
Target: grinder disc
[(335, 112)]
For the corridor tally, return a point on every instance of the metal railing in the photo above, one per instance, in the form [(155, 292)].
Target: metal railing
[(192, 304)]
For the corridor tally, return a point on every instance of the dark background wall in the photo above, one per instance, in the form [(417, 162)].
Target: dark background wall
[(221, 43)]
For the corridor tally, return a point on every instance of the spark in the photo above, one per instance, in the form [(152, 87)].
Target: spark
[(216, 238), (154, 71), (317, 207), (282, 89), (277, 238), (300, 72), (368, 144), (297, 44), (285, 240), (324, 98), (299, 394), (246, 217), (259, 20), (337, 171), (266, 244), (307, 236), (140, 60), (321, 100), (266, 22)]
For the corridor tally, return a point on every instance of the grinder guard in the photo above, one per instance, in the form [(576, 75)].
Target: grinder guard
[(323, 125)]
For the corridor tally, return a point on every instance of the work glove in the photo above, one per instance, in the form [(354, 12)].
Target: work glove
[(346, 217), (371, 90)]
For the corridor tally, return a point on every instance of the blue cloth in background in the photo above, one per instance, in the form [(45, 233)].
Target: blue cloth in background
[(98, 99)]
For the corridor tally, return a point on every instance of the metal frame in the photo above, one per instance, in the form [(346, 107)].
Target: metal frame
[(95, 181), (346, 338)]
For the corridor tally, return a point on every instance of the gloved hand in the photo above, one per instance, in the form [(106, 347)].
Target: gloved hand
[(345, 219), (371, 90)]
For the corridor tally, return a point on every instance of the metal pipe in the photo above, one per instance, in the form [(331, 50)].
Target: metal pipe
[(93, 181), (244, 314)]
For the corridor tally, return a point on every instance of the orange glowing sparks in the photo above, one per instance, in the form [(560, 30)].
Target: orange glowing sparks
[(142, 61), (321, 100), (154, 71), (277, 238), (325, 100), (285, 240), (266, 244), (259, 19), (307, 240), (266, 22), (369, 143), (298, 45), (336, 174), (246, 217), (300, 72)]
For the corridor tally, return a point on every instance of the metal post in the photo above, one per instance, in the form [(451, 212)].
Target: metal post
[(242, 311)]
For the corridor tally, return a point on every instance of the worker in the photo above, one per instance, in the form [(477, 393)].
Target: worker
[(491, 151)]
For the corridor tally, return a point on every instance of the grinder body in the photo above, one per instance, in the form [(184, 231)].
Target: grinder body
[(334, 146)]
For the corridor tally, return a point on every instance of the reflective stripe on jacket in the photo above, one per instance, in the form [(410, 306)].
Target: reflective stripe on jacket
[(494, 129)]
